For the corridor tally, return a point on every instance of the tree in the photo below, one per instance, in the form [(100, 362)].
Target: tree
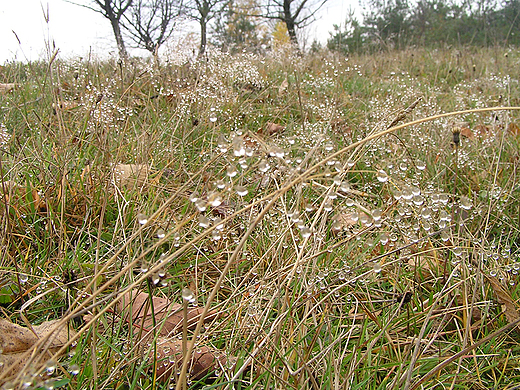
[(113, 10), (150, 22), (349, 39), (294, 13), (388, 21), (203, 11), (238, 27)]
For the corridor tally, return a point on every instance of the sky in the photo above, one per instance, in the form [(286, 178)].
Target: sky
[(25, 33)]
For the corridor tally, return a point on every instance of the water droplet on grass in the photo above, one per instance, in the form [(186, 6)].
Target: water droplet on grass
[(231, 171), (222, 143), (241, 190), (203, 221), (263, 166), (201, 205), (305, 231), (214, 199), (50, 366), (194, 197), (142, 219), (465, 203), (161, 233), (328, 146), (377, 268), (187, 295), (382, 176)]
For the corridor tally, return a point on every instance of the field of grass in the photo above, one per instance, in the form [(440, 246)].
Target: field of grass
[(336, 220)]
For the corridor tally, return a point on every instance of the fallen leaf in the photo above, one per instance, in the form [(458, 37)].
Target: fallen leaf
[(163, 309), (18, 344), (482, 130), (504, 298), (4, 88), (512, 128), (283, 87), (20, 196), (465, 131), (131, 175), (169, 360), (271, 129), (169, 317)]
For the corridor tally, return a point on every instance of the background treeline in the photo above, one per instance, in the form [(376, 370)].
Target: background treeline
[(432, 23)]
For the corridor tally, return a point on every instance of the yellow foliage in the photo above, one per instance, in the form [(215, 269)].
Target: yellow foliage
[(280, 35)]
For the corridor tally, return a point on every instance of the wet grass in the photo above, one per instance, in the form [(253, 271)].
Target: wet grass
[(341, 251)]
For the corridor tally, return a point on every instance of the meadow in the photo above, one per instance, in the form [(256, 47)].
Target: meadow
[(262, 222)]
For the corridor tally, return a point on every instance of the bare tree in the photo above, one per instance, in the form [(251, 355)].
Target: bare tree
[(203, 11), (294, 13), (149, 23), (113, 10)]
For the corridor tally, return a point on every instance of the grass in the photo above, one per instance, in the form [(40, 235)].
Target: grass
[(357, 248)]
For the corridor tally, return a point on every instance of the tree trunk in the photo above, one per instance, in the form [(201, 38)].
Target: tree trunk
[(288, 19), (203, 36), (123, 54)]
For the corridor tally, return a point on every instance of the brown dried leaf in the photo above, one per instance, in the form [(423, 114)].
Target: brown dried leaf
[(203, 361), (283, 87), (271, 128), (465, 131), (163, 309), (18, 195), (131, 175), (169, 348), (508, 305), (512, 128), (18, 343)]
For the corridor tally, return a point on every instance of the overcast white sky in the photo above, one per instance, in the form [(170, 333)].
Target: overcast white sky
[(77, 31)]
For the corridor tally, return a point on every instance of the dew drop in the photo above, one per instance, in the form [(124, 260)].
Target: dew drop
[(142, 219), (220, 184), (219, 225), (241, 190), (23, 278), (203, 221), (238, 146), (465, 203), (214, 199), (231, 171), (328, 205), (194, 197), (328, 146), (457, 251), (201, 205), (426, 213), (332, 195), (263, 166), (420, 165), (377, 268), (187, 295), (222, 143), (382, 176), (161, 233), (50, 366), (344, 186), (305, 231)]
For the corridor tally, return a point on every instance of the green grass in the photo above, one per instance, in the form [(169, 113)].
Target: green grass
[(307, 299)]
